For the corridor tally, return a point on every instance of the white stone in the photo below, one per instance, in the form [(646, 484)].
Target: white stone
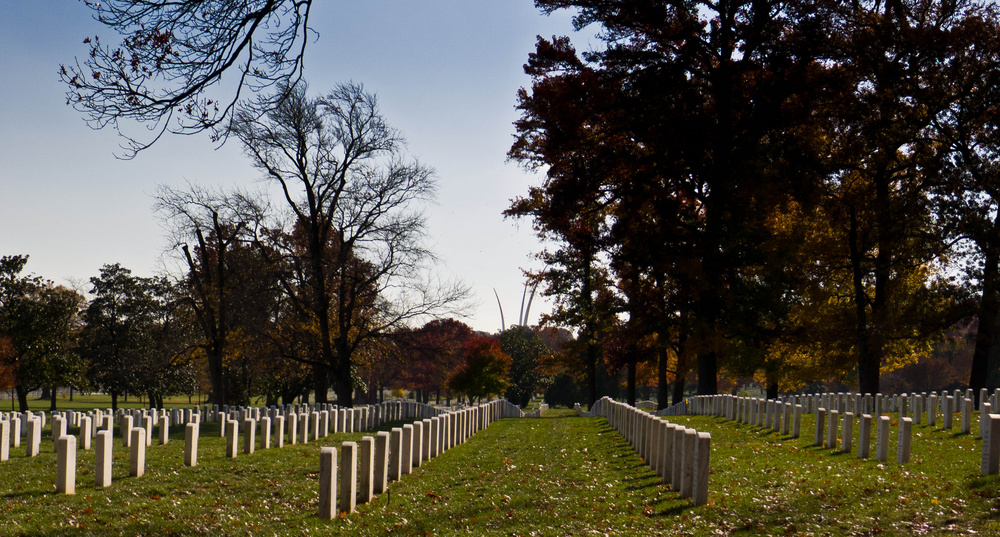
[(991, 444), (66, 465), (348, 476), (328, 483), (699, 484), (903, 444), (137, 452), (882, 440)]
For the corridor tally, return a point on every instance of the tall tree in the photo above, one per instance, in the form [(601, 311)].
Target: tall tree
[(897, 62), (484, 370), (230, 285), (121, 320), (687, 129), (354, 199), (527, 352), (431, 353), (967, 198)]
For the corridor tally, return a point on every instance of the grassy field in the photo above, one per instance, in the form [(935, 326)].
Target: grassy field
[(558, 475), (92, 401)]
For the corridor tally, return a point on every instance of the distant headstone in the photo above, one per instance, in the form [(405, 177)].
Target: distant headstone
[(864, 435), (820, 424), (882, 441), (903, 444), (848, 432)]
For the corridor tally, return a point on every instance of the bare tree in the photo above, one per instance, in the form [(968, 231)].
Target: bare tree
[(357, 242), (172, 53)]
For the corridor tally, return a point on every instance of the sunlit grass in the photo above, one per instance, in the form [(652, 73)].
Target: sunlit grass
[(557, 475)]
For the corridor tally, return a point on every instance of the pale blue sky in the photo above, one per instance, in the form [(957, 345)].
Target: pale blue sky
[(445, 71)]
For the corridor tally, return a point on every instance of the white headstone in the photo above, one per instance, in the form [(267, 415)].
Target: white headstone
[(328, 483)]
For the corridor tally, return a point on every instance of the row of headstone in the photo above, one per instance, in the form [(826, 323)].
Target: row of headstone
[(913, 405), (368, 466), (91, 422), (835, 429), (537, 413), (136, 437), (66, 450), (679, 455)]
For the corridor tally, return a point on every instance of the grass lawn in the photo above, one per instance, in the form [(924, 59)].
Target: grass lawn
[(558, 475), (92, 401)]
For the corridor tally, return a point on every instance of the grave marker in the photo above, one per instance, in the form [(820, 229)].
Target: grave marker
[(380, 462), (864, 436), (848, 434), (991, 444), (903, 443), (191, 444), (66, 465), (348, 476), (137, 452), (328, 483), (820, 422), (366, 467)]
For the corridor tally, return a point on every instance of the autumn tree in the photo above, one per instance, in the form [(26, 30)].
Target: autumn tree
[(355, 198), (966, 198), (164, 68), (898, 63), (686, 130), (484, 371), (430, 353)]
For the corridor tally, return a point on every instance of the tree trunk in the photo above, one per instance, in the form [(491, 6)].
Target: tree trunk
[(772, 390), (867, 363), (22, 399), (678, 395), (591, 357), (989, 317), (114, 401), (52, 399), (662, 388), (321, 386), (708, 373), (630, 382)]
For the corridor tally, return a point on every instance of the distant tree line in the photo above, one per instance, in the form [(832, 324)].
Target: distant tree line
[(791, 192)]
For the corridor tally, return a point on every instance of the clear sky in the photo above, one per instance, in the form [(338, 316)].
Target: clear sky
[(445, 71)]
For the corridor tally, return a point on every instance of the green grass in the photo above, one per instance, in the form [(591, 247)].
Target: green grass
[(557, 475), (92, 401)]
